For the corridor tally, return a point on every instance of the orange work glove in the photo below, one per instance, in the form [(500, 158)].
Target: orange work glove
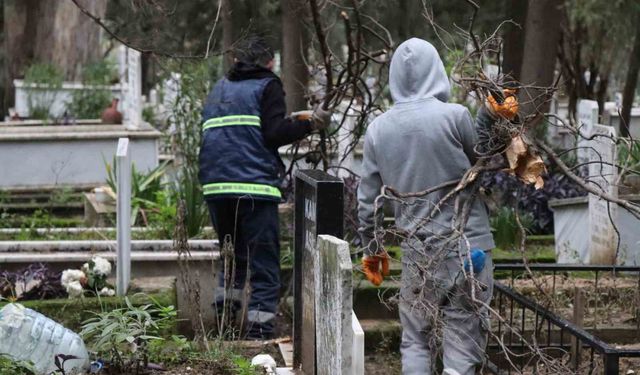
[(375, 267), (509, 107)]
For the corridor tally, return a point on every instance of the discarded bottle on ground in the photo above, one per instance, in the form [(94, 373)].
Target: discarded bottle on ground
[(26, 335)]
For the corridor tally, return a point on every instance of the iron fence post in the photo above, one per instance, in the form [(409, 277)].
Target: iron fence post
[(611, 363)]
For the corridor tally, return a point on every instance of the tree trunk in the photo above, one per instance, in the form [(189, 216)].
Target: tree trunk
[(228, 32), (629, 92), (514, 38), (295, 74), (17, 45), (65, 37), (542, 35), (52, 31)]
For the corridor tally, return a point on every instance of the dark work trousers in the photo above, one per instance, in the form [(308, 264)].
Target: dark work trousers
[(252, 226)]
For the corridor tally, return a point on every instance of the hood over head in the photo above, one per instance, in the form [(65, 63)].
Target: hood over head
[(417, 73)]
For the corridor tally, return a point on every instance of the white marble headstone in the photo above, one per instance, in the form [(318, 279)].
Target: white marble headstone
[(133, 115), (587, 117), (602, 176), (335, 350)]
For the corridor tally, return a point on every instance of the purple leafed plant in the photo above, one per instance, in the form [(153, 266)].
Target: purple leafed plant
[(34, 282), (509, 191)]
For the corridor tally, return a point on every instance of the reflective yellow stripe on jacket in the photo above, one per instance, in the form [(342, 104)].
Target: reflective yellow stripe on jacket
[(241, 189), (235, 120)]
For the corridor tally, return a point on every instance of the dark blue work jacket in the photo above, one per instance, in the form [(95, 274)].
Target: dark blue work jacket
[(234, 160)]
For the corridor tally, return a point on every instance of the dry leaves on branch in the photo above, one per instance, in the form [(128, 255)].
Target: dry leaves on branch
[(525, 163)]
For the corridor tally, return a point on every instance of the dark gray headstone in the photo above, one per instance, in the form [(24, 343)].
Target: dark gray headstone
[(318, 210)]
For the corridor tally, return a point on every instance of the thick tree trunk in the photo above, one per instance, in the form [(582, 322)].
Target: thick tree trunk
[(514, 38), (52, 31), (295, 74), (542, 35), (65, 37), (630, 84), (17, 45)]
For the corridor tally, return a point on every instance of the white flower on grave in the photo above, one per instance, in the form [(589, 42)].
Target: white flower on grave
[(101, 267), (74, 289), (108, 292), (70, 276)]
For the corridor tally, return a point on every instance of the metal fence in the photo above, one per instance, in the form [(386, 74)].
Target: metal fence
[(532, 338)]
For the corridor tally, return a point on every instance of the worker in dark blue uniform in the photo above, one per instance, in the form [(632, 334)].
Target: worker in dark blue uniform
[(244, 124)]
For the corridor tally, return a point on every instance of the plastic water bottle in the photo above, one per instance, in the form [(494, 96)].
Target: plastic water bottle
[(26, 335)]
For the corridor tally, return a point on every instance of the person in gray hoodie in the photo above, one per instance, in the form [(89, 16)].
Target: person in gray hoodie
[(419, 143)]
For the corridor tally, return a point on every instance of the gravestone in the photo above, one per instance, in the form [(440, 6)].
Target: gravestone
[(584, 227), (339, 342), (602, 214), (318, 210), (123, 216), (129, 68), (346, 150), (587, 118)]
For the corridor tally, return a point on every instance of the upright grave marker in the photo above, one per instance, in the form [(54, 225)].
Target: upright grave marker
[(602, 176), (318, 210), (339, 341), (130, 70), (123, 216), (587, 118)]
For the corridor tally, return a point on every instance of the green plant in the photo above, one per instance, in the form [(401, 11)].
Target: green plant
[(223, 359), (10, 367), (194, 83), (103, 72), (44, 74), (124, 335), (507, 234), (176, 349), (161, 213), (148, 115), (40, 99), (144, 187), (89, 103), (629, 156)]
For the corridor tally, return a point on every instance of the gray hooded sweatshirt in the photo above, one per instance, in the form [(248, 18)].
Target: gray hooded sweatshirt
[(420, 142)]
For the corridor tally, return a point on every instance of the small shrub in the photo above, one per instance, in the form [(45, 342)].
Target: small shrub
[(144, 187), (44, 74), (508, 191), (125, 335), (100, 73), (507, 234), (224, 360), (40, 100), (90, 103)]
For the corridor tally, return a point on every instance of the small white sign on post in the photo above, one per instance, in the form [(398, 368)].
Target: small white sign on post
[(602, 176), (587, 118), (132, 98), (123, 216)]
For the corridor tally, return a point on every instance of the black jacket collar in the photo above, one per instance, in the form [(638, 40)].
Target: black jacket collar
[(241, 71)]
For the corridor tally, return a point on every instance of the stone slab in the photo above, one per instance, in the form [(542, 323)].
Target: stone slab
[(59, 156), (357, 349), (603, 176), (334, 302), (286, 350)]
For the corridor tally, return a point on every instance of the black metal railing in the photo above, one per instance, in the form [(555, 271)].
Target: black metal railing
[(531, 338)]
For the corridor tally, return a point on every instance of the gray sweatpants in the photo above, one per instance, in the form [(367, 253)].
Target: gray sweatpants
[(436, 308)]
